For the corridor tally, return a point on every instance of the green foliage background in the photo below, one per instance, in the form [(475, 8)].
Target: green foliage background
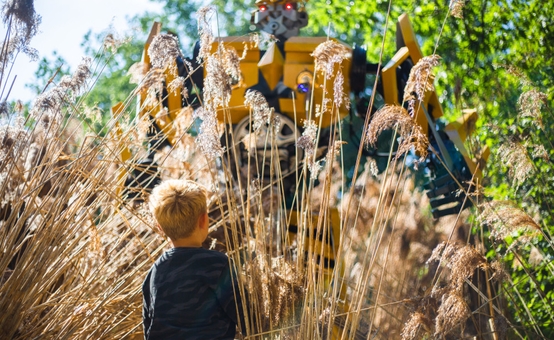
[(476, 52)]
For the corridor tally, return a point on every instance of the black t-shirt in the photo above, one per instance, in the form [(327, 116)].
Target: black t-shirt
[(188, 294)]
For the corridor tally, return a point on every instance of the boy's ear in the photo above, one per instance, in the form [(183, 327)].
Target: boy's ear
[(203, 220), (159, 227)]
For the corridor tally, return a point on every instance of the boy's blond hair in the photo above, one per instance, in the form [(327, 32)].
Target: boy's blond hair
[(177, 205)]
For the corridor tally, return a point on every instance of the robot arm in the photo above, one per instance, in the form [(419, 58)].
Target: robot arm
[(451, 165)]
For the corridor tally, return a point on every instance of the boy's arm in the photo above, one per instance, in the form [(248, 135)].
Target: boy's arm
[(146, 321), (228, 295)]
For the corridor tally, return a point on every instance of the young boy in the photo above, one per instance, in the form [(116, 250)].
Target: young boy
[(189, 292)]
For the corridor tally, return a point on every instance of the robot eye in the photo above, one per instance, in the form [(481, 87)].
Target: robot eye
[(263, 8), (288, 6)]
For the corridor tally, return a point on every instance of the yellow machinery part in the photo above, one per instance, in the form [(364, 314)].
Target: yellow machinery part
[(125, 153), (298, 59), (458, 131), (390, 86), (249, 74), (271, 65), (411, 43), (320, 243), (155, 30)]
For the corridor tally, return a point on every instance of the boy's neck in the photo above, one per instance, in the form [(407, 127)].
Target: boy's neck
[(186, 242)]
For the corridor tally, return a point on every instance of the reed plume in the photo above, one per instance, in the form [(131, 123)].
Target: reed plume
[(392, 116), (530, 104), (420, 81), (505, 218), (328, 55), (456, 8), (514, 155)]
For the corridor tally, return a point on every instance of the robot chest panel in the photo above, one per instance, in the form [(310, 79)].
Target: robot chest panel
[(285, 75)]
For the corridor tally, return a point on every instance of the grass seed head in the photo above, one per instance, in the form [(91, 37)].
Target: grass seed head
[(208, 139), (452, 312), (175, 85), (261, 112), (339, 96), (328, 54), (530, 104), (25, 19), (518, 74), (420, 81), (137, 71), (76, 82), (231, 63), (12, 140), (514, 154), (456, 7), (205, 31), (417, 326), (505, 218), (391, 116), (154, 79), (462, 260), (308, 142), (112, 43), (539, 151), (164, 50), (217, 82), (498, 271)]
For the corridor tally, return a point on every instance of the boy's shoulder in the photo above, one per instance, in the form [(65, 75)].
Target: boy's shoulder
[(195, 254)]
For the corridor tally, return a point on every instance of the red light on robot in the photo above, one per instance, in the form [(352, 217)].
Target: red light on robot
[(288, 6), (263, 8)]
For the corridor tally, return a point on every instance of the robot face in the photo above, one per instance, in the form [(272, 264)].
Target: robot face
[(280, 18)]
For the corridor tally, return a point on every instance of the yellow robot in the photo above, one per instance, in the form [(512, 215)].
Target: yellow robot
[(285, 75)]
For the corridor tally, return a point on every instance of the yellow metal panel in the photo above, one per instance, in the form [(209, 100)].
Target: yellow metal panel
[(271, 66), (249, 73), (304, 44), (411, 43), (390, 86), (409, 37), (154, 31), (458, 131), (298, 59), (239, 44), (116, 111), (464, 125)]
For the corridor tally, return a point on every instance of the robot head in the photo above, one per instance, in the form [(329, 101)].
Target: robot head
[(281, 18)]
